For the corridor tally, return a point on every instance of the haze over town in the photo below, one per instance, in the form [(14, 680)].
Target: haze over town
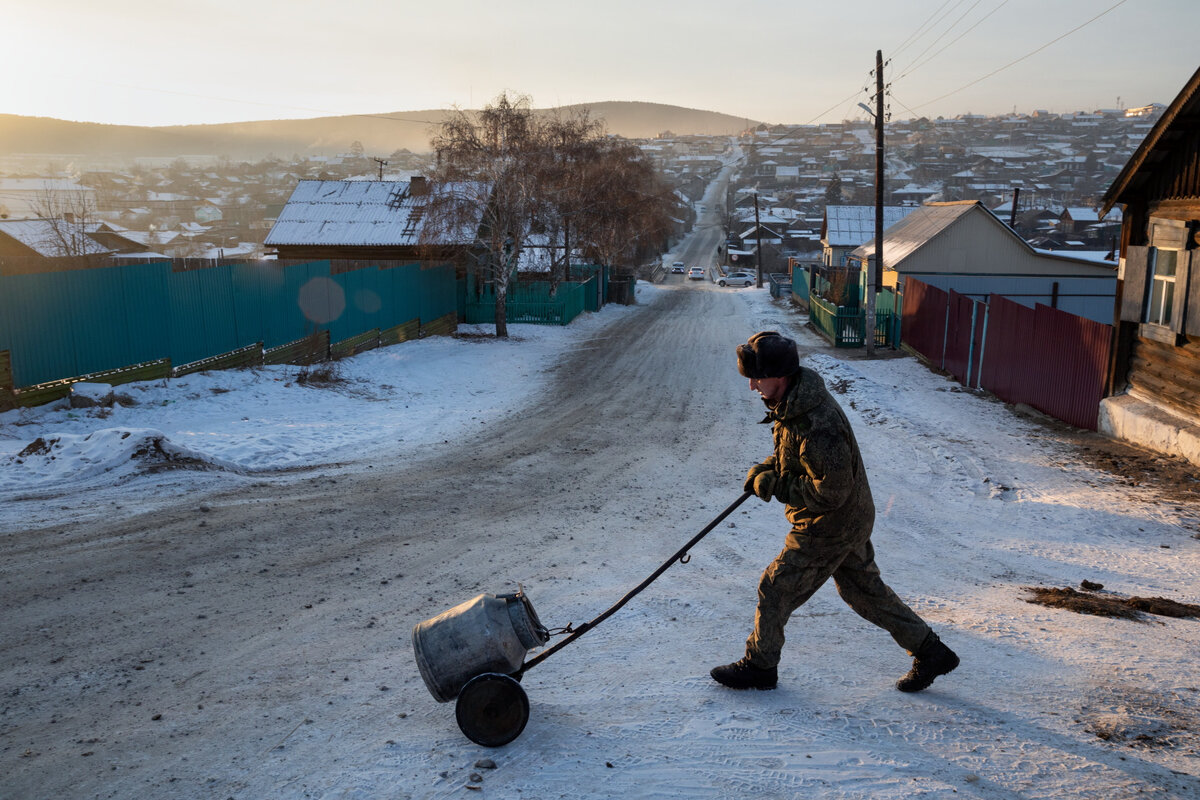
[(146, 63)]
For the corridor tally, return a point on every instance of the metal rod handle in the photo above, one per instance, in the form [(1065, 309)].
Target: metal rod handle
[(587, 626)]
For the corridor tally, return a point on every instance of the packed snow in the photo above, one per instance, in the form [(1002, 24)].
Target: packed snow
[(976, 503)]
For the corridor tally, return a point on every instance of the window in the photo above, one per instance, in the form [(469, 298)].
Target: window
[(1162, 286), (1166, 276)]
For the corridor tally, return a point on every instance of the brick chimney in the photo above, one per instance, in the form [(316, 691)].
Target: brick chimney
[(418, 186)]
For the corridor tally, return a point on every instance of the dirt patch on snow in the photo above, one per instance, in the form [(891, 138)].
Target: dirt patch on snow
[(1137, 718), (1167, 477), (1107, 604)]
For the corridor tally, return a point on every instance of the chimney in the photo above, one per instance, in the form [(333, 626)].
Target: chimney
[(418, 186)]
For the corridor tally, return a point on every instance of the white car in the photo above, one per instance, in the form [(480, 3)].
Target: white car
[(736, 279), (678, 266), (696, 274)]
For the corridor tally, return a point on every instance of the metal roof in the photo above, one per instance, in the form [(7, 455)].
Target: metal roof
[(850, 226), (41, 236), (929, 221), (914, 230), (356, 213)]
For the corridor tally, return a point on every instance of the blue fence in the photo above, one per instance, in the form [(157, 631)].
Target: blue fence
[(60, 325)]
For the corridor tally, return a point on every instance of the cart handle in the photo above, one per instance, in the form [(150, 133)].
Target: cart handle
[(681, 556)]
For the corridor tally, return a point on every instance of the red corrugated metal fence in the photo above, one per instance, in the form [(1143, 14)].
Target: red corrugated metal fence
[(1043, 357)]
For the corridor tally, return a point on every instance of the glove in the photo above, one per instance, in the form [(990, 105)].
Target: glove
[(756, 470), (765, 483)]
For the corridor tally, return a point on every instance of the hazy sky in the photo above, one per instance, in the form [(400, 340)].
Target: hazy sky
[(163, 62)]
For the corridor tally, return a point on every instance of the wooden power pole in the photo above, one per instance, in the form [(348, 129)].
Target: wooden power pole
[(757, 241), (875, 270)]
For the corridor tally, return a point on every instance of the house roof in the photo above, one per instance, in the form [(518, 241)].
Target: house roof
[(912, 232), (355, 213), (928, 222), (1179, 120), (41, 236), (1080, 214), (850, 226), (42, 185)]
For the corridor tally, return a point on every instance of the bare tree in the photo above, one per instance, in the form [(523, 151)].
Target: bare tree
[(520, 173), (69, 214), (627, 208), (489, 168)]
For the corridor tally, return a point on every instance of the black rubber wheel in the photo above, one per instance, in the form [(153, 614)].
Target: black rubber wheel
[(492, 709)]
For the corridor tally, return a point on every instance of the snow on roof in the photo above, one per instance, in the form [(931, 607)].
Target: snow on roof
[(1081, 214), (850, 226), (43, 237), (42, 185), (362, 213), (1096, 256), (149, 238)]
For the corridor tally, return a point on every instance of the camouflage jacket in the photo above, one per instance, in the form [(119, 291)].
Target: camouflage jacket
[(822, 479)]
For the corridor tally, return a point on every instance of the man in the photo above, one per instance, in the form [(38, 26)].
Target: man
[(817, 472)]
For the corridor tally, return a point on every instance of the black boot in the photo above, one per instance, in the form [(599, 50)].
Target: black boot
[(931, 660), (744, 675)]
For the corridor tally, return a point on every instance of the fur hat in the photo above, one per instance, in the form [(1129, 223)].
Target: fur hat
[(768, 355)]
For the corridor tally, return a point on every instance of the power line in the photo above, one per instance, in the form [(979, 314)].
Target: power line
[(961, 35), (1027, 55), (949, 11), (945, 33), (900, 47)]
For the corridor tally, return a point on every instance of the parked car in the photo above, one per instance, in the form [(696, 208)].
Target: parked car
[(736, 279), (679, 267), (696, 274)]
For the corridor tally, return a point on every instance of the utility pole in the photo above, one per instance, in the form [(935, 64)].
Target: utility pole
[(875, 271), (757, 240), (381, 164)]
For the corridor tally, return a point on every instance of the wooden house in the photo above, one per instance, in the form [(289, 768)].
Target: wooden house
[(1154, 379)]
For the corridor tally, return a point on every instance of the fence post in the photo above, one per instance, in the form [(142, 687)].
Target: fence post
[(945, 330), (971, 342), (987, 311)]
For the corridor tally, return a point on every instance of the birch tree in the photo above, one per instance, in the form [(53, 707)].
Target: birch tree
[(515, 173)]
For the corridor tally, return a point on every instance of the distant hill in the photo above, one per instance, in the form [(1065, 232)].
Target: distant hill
[(380, 134)]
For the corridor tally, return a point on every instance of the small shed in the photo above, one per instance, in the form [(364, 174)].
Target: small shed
[(1154, 380), (965, 247)]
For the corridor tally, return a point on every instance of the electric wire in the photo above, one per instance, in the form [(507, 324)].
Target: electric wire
[(949, 11), (898, 49), (945, 33), (915, 67), (1024, 57)]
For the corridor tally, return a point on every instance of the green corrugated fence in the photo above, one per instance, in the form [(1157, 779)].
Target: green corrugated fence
[(846, 327), (61, 325), (531, 302)]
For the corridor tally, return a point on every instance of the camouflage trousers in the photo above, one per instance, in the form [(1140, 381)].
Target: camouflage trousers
[(803, 566)]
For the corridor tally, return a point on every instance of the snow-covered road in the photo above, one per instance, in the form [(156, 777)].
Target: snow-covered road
[(240, 632)]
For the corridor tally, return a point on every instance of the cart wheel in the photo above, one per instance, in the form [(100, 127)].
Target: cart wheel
[(492, 709)]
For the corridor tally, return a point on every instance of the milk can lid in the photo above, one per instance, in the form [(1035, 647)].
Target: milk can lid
[(525, 622)]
